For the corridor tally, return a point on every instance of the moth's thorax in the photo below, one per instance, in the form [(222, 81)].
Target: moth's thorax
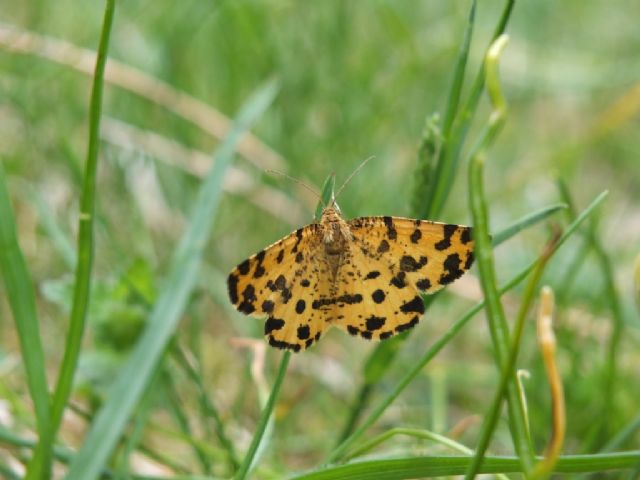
[(335, 232)]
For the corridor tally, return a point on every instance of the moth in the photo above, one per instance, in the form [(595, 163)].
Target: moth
[(364, 276)]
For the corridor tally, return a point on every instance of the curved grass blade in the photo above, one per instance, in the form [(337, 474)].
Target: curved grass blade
[(496, 318), (133, 378), (84, 264), (22, 300)]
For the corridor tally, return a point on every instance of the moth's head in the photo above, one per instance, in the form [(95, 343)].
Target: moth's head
[(333, 205), (331, 212)]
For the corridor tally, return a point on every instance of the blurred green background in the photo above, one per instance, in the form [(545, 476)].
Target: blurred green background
[(357, 79)]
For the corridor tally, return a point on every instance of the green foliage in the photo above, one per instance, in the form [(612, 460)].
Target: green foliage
[(159, 374)]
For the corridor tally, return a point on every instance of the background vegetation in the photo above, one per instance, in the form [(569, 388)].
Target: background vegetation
[(354, 79)]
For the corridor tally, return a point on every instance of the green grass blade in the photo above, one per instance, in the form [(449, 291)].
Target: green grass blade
[(456, 140), (437, 175), (491, 418), (267, 412), (439, 466), (458, 76), (525, 222), (496, 318), (22, 300), (609, 380), (130, 383), (85, 232)]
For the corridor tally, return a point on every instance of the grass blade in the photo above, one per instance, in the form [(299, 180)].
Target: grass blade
[(85, 232), (22, 300), (458, 77), (496, 318), (440, 466), (129, 385), (442, 171), (454, 142), (264, 419), (525, 222), (609, 379)]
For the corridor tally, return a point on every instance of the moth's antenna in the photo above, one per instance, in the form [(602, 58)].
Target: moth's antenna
[(295, 180), (358, 168)]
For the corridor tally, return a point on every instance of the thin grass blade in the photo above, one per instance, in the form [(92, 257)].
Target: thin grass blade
[(84, 264), (443, 172), (22, 301), (525, 222), (440, 466)]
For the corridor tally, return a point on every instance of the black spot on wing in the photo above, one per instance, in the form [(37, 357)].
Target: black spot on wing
[(378, 296), (249, 296), (415, 305), (465, 236), (406, 326), (348, 299), (232, 286), (410, 264), (383, 247), (267, 306), (280, 256), (280, 282), (469, 261), (273, 324), (298, 240), (391, 229), (243, 268), (286, 295), (304, 282), (352, 330), (300, 306), (423, 284), (299, 257), (452, 269), (283, 345), (398, 280), (260, 271), (416, 236), (385, 335), (372, 274), (375, 323), (303, 332), (445, 243)]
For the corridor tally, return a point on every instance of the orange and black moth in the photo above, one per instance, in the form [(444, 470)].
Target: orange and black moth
[(364, 276)]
